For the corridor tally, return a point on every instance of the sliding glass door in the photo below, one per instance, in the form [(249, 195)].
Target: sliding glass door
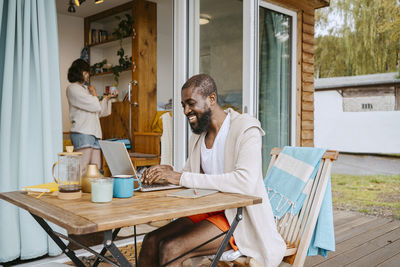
[(250, 51), (276, 77), (216, 45)]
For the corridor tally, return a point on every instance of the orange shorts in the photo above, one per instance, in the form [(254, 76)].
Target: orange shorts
[(218, 219)]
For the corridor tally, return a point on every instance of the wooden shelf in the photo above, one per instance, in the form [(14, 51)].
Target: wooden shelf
[(111, 42), (106, 73)]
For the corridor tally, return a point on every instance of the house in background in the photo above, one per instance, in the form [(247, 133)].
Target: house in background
[(358, 114)]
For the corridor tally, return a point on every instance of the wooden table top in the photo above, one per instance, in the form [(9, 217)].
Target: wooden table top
[(81, 216)]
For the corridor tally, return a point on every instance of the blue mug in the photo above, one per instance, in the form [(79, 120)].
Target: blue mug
[(124, 186)]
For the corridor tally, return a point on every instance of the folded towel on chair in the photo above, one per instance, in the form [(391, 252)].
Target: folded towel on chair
[(289, 181)]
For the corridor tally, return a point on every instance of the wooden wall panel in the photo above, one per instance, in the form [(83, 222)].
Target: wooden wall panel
[(299, 81), (308, 96), (308, 58), (307, 116), (144, 53), (308, 38), (309, 48), (307, 105), (307, 67), (307, 135), (117, 124), (146, 142), (308, 19), (308, 77), (307, 125), (308, 87)]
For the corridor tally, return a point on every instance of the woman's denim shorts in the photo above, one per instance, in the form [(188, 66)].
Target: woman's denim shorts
[(80, 141)]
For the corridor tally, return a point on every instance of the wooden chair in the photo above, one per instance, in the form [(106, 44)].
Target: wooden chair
[(297, 230)]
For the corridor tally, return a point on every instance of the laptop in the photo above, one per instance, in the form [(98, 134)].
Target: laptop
[(119, 162)]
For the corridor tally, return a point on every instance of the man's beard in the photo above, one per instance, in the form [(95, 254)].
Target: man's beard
[(202, 122)]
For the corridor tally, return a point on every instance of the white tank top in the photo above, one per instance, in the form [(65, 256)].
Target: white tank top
[(212, 160)]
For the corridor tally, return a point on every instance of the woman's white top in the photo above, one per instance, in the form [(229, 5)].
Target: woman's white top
[(212, 160), (85, 110)]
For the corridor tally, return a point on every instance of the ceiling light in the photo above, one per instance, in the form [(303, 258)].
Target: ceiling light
[(204, 19), (78, 2), (71, 8), (98, 1)]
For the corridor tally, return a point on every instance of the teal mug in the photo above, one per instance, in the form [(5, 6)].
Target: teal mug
[(124, 186)]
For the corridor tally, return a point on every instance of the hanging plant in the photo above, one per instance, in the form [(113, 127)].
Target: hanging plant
[(124, 29), (124, 64)]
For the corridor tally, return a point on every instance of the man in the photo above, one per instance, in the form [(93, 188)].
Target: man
[(224, 154)]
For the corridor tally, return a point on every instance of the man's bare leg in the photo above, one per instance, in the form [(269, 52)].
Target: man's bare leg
[(194, 235), (150, 251)]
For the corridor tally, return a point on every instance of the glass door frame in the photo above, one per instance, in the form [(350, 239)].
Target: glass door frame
[(181, 74), (183, 54), (293, 69)]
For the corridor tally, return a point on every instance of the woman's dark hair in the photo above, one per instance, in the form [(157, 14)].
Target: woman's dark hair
[(76, 70)]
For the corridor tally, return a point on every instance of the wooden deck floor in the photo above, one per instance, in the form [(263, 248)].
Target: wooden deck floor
[(362, 241)]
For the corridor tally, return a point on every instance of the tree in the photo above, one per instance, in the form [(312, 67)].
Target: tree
[(366, 42)]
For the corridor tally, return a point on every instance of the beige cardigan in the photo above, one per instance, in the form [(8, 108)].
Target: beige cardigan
[(256, 235), (85, 110)]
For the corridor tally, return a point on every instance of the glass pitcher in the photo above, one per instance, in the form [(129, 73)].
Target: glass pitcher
[(69, 171)]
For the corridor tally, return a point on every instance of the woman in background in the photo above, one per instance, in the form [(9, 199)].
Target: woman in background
[(85, 109)]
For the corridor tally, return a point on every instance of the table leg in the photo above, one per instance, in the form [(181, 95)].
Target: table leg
[(224, 243), (58, 241), (110, 246), (104, 250)]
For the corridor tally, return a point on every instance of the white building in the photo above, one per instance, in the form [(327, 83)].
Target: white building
[(358, 114)]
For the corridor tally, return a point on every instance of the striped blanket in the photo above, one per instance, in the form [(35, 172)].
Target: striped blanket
[(287, 184)]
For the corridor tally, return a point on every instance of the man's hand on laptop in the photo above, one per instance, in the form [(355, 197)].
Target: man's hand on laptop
[(161, 174)]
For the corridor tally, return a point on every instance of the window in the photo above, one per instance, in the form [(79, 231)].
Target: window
[(366, 106)]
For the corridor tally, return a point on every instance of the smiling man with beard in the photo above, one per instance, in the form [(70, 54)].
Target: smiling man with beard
[(224, 154)]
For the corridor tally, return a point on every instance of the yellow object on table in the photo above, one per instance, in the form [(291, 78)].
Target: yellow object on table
[(41, 189)]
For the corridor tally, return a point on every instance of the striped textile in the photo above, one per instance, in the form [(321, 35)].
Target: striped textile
[(289, 181)]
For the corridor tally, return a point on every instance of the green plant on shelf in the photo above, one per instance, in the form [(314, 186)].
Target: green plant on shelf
[(97, 67), (125, 63), (124, 28)]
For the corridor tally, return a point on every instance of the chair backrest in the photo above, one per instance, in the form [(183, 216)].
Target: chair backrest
[(297, 230)]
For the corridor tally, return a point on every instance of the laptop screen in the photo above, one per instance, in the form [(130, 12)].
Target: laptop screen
[(117, 158)]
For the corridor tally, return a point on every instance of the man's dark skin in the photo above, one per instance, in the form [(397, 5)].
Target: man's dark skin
[(181, 235)]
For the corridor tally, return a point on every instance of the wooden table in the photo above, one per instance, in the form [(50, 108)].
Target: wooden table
[(81, 216)]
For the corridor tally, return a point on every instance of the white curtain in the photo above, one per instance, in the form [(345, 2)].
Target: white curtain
[(30, 118)]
